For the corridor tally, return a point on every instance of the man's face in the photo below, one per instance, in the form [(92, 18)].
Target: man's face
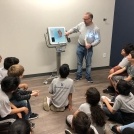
[(87, 20)]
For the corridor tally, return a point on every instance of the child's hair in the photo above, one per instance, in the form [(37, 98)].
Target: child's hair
[(20, 126), (128, 48), (16, 70), (132, 54), (9, 61), (97, 114), (124, 87), (81, 124), (9, 84), (64, 70)]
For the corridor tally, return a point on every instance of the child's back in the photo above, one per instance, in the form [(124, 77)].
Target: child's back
[(61, 89)]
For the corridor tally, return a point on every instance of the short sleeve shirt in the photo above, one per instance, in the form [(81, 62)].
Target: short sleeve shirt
[(5, 108), (124, 103), (60, 89)]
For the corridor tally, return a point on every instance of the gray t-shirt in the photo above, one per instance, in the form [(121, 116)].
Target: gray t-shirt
[(90, 33), (124, 103), (124, 62), (5, 108), (60, 89), (130, 70)]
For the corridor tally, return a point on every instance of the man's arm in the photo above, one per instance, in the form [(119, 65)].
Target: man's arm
[(97, 37), (73, 30)]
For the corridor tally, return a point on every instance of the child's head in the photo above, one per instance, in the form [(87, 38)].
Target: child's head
[(81, 123), (64, 70), (92, 96), (124, 87), (16, 70), (127, 49), (9, 61), (20, 126), (9, 84), (130, 57)]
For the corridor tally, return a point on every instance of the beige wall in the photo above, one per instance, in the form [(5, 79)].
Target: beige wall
[(23, 23)]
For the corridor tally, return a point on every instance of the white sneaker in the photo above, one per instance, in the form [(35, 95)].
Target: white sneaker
[(67, 131), (46, 103)]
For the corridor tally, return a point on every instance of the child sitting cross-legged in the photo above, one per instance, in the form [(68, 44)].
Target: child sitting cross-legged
[(7, 109), (122, 110)]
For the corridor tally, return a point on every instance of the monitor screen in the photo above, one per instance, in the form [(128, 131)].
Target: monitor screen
[(57, 35)]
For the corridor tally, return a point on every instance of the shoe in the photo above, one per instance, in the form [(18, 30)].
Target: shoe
[(109, 89), (90, 80), (77, 78), (46, 103), (32, 125), (67, 131), (114, 129), (33, 116), (105, 91)]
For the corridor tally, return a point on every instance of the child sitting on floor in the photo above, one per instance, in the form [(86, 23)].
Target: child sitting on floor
[(7, 109), (93, 109), (61, 89), (21, 97), (124, 52), (122, 110)]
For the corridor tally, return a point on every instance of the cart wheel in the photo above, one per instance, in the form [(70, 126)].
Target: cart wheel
[(45, 82)]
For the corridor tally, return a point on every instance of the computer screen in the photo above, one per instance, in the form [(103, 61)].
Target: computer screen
[(57, 35)]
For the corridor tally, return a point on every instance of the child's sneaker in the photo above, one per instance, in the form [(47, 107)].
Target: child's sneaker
[(33, 116), (46, 103), (67, 131), (32, 125)]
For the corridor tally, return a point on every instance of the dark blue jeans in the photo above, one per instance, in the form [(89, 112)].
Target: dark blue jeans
[(82, 53), (119, 116)]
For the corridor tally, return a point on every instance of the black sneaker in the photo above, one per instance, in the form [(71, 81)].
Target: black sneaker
[(90, 80), (114, 129), (32, 125), (67, 131), (33, 116), (78, 78), (109, 89), (105, 91)]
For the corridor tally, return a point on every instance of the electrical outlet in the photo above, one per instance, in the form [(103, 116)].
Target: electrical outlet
[(104, 55)]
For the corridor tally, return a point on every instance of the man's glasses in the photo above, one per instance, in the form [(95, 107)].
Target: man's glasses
[(86, 19)]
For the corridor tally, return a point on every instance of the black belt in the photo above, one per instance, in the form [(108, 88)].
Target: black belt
[(81, 45)]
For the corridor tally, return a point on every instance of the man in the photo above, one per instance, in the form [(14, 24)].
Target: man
[(88, 38)]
